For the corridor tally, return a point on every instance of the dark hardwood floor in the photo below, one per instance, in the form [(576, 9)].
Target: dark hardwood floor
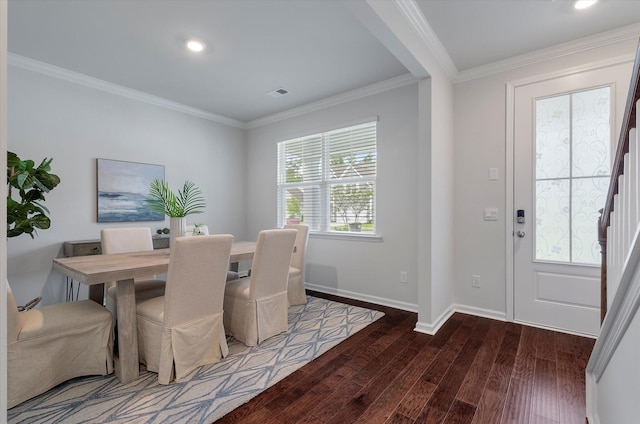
[(474, 370)]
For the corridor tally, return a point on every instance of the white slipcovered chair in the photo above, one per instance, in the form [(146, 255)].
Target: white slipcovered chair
[(125, 240), (183, 329), (256, 307), (55, 343), (204, 231), (295, 289)]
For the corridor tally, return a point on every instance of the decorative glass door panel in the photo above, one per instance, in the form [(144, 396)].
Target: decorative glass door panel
[(572, 169)]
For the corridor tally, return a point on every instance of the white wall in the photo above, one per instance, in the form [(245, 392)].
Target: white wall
[(442, 199), (362, 269), (619, 385), (480, 144), (74, 125)]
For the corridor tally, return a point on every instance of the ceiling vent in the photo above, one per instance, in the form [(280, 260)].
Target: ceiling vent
[(278, 93)]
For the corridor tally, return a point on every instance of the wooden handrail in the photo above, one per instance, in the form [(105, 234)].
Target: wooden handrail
[(628, 122)]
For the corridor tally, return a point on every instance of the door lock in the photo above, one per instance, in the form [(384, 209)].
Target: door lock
[(520, 233)]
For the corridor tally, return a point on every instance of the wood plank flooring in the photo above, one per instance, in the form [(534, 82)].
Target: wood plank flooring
[(474, 370)]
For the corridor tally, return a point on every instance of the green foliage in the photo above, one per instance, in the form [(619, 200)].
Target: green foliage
[(351, 197), (162, 200), (28, 213), (292, 170), (293, 207)]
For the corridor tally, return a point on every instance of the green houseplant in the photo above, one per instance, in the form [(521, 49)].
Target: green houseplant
[(28, 213), (187, 201)]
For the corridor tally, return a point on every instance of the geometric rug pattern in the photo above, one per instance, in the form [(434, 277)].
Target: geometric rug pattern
[(209, 392)]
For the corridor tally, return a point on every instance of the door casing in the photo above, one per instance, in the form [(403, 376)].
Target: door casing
[(509, 165)]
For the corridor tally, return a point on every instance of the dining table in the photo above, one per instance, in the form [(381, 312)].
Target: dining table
[(123, 268)]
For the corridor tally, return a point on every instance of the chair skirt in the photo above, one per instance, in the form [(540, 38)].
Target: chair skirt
[(174, 352)]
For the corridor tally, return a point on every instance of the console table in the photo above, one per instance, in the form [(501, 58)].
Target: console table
[(94, 247)]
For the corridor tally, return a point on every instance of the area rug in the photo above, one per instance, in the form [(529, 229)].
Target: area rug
[(211, 391)]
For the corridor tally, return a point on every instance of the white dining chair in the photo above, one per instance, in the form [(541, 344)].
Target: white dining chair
[(183, 329), (125, 240), (296, 292), (256, 307), (53, 344)]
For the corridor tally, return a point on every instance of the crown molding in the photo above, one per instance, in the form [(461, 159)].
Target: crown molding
[(98, 84), (565, 49), (414, 16), (358, 93)]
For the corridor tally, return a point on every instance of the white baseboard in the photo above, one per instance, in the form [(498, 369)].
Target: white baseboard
[(364, 297), (431, 329), (480, 312), (422, 327)]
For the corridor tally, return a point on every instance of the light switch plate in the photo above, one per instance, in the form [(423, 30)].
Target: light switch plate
[(490, 214), (493, 174)]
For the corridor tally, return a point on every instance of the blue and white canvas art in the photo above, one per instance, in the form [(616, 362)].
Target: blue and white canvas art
[(123, 188)]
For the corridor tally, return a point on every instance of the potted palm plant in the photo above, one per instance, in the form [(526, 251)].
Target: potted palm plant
[(187, 201)]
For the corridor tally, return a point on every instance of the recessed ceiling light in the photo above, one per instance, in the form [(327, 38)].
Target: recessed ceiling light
[(583, 4), (195, 45)]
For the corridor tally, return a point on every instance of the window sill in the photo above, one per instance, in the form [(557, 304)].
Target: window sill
[(335, 235)]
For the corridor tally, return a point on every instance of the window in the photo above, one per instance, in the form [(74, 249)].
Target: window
[(572, 166), (328, 180)]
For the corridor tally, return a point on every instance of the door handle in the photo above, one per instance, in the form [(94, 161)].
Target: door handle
[(520, 233)]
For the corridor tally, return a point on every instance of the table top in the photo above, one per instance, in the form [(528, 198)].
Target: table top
[(98, 269)]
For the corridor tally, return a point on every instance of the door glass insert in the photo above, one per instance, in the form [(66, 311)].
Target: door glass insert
[(572, 170)]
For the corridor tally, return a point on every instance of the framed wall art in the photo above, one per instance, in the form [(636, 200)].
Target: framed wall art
[(123, 188)]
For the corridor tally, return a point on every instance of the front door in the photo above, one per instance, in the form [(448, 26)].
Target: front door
[(563, 148)]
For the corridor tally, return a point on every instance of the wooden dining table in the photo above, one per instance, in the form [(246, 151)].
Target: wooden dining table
[(123, 268)]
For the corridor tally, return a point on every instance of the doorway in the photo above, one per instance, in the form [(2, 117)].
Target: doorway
[(564, 134)]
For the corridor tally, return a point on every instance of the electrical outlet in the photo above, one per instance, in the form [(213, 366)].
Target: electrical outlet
[(404, 278), (475, 281)]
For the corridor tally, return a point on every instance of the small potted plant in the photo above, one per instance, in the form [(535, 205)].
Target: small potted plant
[(198, 230), (187, 201)]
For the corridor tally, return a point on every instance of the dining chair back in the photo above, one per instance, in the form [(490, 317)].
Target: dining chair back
[(125, 240), (296, 292), (256, 307), (53, 344), (183, 329)]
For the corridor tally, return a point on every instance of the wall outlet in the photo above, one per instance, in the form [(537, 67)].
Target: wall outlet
[(475, 281), (404, 278)]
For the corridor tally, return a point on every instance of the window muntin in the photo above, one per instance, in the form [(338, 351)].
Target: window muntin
[(327, 180), (572, 170)]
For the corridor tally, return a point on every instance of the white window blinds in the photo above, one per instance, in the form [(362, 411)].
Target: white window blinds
[(327, 180)]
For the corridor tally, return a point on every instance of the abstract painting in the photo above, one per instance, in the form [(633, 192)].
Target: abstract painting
[(123, 188)]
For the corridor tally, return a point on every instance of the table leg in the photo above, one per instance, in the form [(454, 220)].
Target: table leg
[(96, 293), (127, 368)]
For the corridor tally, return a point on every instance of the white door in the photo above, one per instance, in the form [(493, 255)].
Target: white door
[(565, 131)]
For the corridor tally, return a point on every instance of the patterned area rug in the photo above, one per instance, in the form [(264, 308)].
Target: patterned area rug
[(209, 392)]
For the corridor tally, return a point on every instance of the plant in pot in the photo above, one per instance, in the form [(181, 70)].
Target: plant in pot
[(27, 213), (187, 201)]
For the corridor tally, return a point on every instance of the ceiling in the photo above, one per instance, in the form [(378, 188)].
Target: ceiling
[(313, 49)]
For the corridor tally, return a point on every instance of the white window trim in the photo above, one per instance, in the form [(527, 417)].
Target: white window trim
[(326, 183)]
